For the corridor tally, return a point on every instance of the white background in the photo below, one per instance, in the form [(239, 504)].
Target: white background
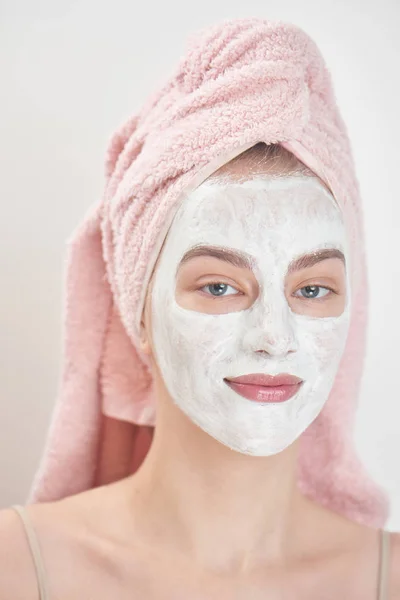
[(70, 73)]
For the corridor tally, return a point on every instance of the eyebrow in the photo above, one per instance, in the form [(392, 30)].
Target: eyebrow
[(309, 260), (233, 257), (246, 261)]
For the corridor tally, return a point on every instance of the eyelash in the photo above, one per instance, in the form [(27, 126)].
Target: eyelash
[(215, 283), (322, 287)]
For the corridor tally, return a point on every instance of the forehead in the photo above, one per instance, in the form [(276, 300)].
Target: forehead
[(293, 212)]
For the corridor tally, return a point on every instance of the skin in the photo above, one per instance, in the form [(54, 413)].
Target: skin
[(197, 520)]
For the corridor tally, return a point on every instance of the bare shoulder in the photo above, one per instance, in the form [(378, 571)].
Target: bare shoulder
[(74, 535), (17, 573), (395, 566), (65, 537)]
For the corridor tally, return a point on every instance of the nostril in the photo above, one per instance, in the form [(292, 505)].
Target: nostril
[(278, 347)]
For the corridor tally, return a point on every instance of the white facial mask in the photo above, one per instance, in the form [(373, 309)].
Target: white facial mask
[(276, 221)]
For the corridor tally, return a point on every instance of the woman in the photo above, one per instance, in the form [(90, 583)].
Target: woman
[(237, 289)]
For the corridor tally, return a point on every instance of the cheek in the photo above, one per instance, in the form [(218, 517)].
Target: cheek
[(187, 335), (324, 340)]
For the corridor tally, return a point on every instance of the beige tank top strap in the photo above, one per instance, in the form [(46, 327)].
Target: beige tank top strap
[(383, 572), (35, 551), (384, 563)]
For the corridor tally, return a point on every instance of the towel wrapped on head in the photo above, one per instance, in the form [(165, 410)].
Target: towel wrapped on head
[(241, 82)]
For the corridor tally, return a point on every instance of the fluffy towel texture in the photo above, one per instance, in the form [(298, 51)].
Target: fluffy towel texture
[(241, 82)]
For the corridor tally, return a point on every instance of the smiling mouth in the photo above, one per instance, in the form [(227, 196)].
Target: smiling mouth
[(265, 388)]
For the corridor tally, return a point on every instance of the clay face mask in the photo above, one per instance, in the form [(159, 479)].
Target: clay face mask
[(275, 222)]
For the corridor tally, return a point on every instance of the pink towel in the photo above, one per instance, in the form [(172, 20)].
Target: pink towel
[(240, 82)]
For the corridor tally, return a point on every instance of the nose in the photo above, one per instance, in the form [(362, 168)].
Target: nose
[(278, 350), (276, 346), (272, 334)]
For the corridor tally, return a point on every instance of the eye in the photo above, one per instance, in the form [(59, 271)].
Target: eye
[(218, 288), (313, 291)]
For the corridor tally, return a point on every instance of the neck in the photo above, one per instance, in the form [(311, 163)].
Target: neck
[(226, 510)]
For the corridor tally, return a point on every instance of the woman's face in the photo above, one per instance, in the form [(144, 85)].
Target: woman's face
[(251, 279)]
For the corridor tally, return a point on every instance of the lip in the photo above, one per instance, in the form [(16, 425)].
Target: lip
[(265, 388), (266, 380)]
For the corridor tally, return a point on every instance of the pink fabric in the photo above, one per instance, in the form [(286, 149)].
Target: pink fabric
[(240, 82)]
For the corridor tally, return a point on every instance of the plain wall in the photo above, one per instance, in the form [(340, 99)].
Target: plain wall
[(71, 72)]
